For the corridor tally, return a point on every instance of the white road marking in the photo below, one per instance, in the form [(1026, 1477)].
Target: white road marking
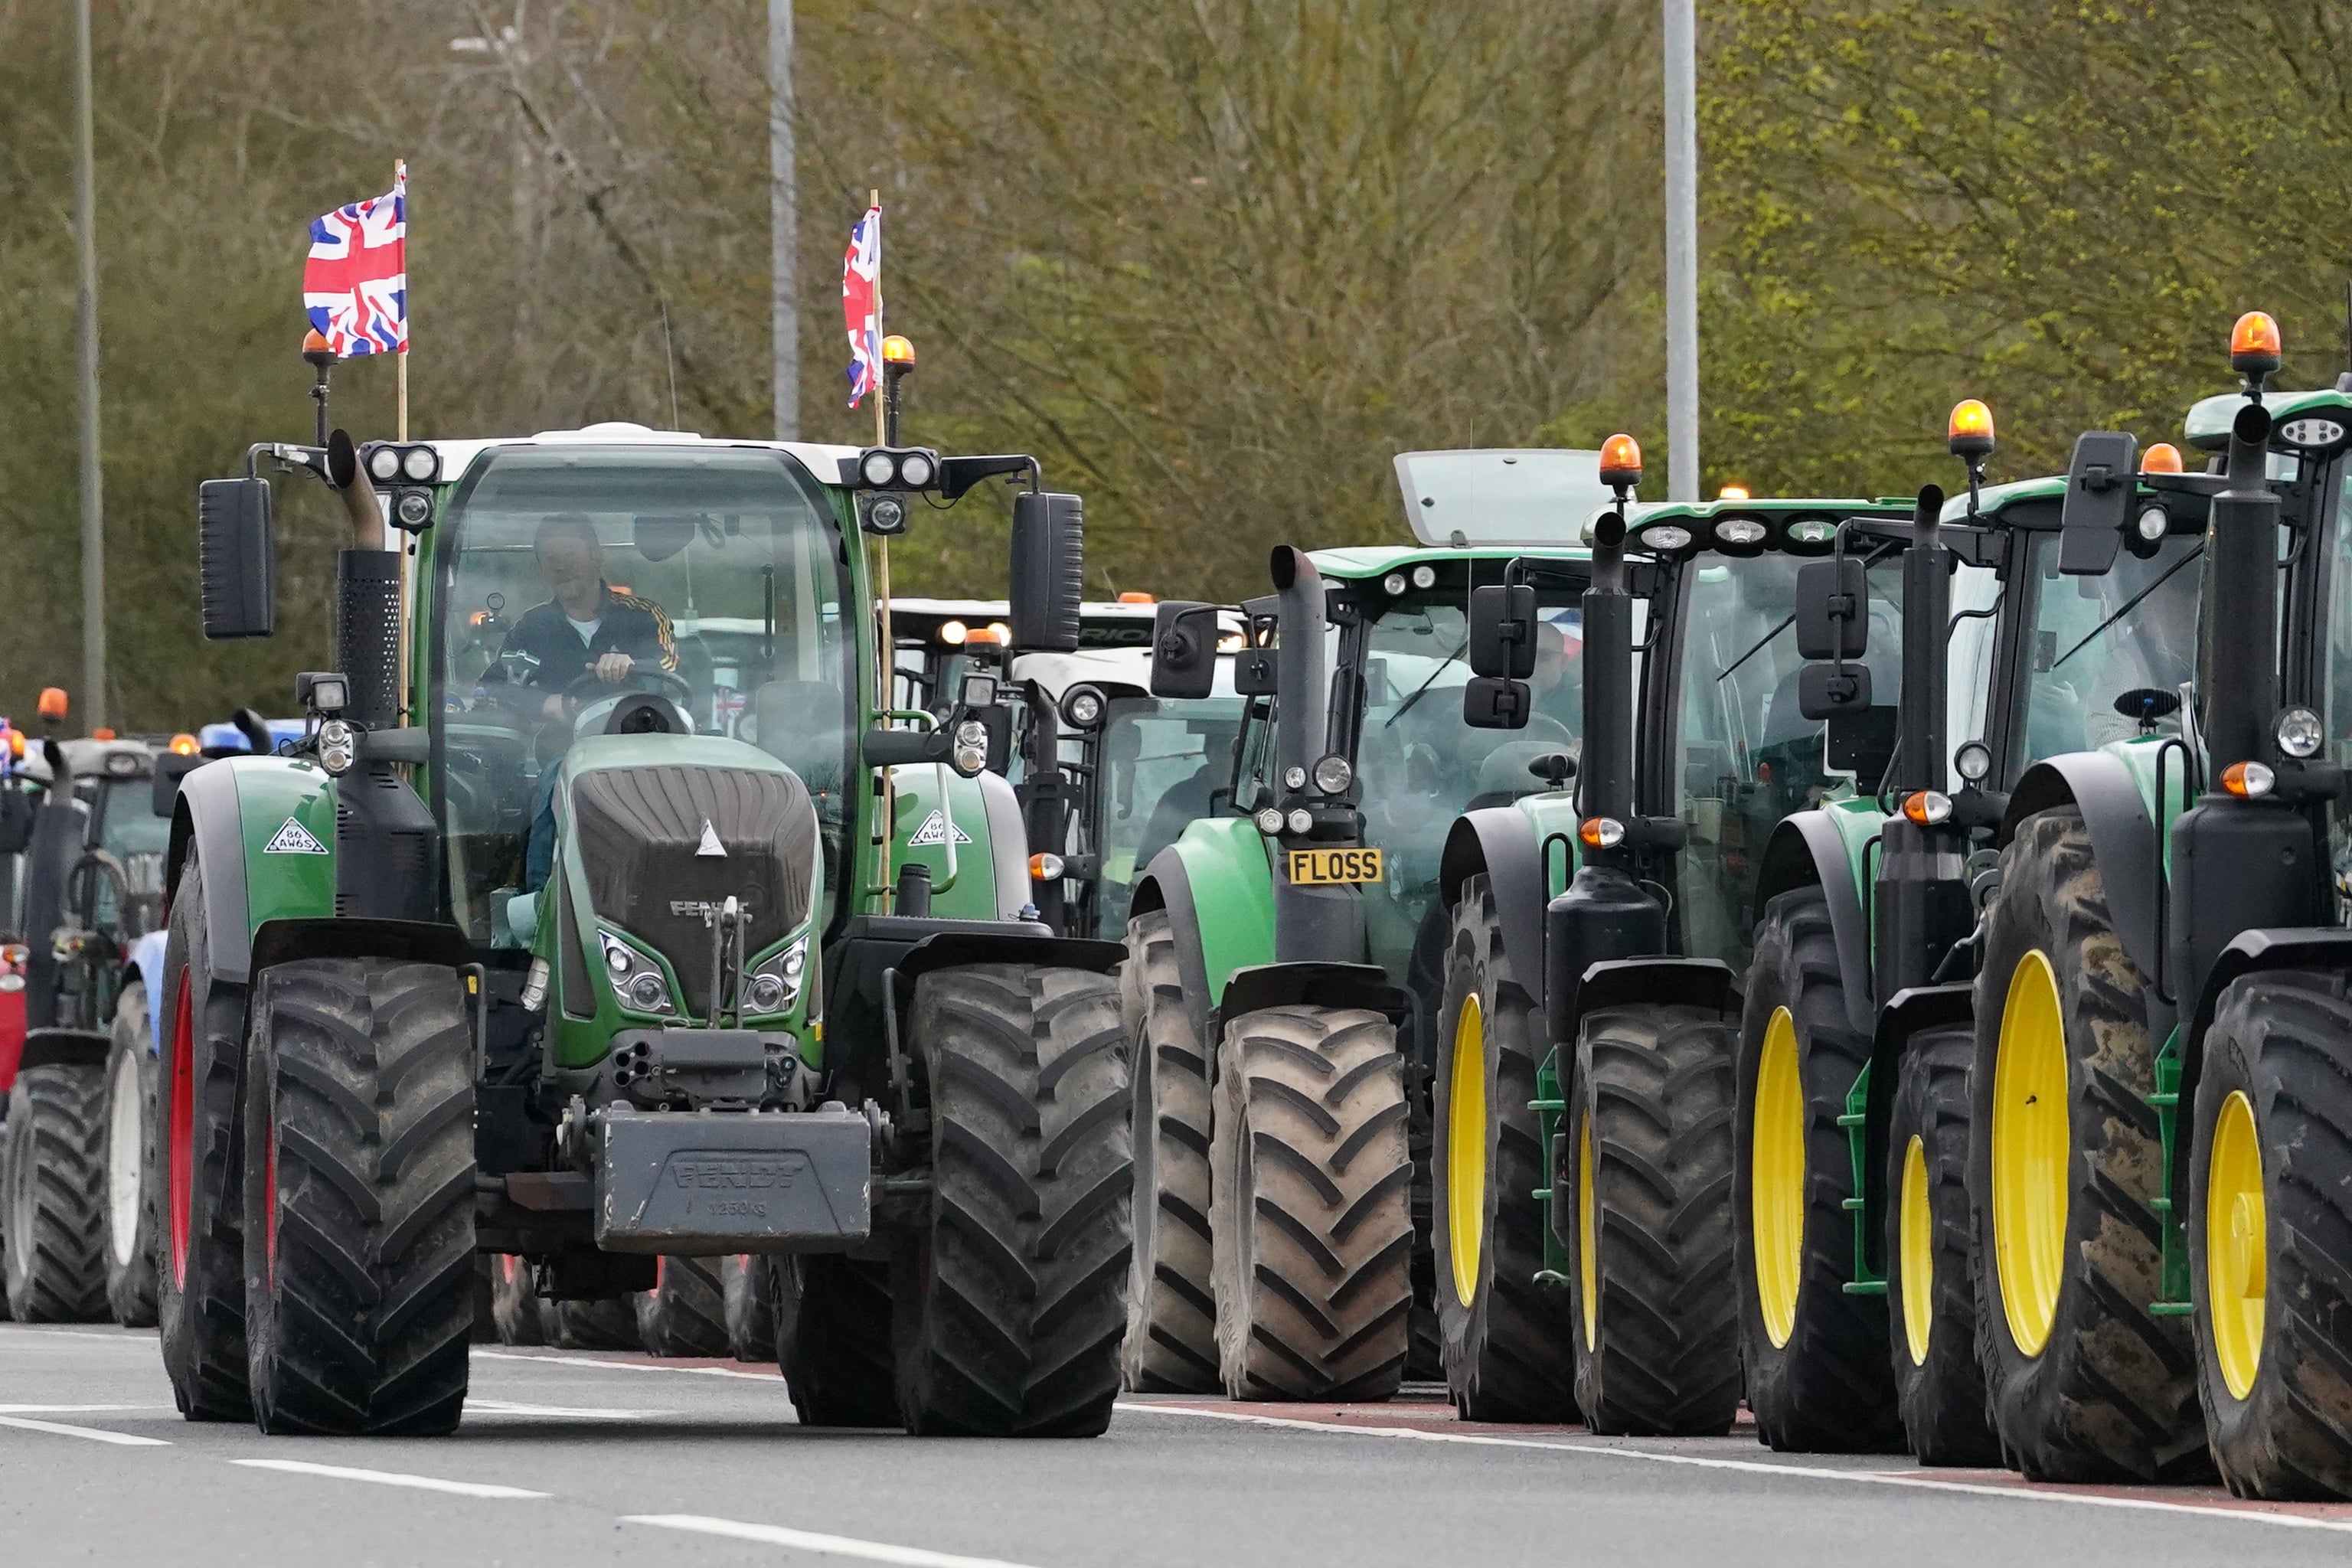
[(71, 1409), (1757, 1467), (389, 1479), (766, 1377), (808, 1540), (474, 1407), (60, 1430), (28, 1332)]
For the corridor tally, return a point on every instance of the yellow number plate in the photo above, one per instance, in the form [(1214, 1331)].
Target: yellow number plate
[(1325, 866)]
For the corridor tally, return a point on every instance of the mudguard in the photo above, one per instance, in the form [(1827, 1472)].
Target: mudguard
[(2304, 947), (1659, 982), (2110, 793), (1263, 986), (64, 1047), (1826, 846), (1217, 885), (990, 845), (1503, 842), (265, 827), (1906, 1014)]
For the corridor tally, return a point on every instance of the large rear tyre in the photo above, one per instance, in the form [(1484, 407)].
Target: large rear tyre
[(359, 1198), (1649, 1181), (1313, 1218), (1012, 1304), (1938, 1382), (514, 1306), (834, 1339), (684, 1314), (1171, 1308), (2270, 1236), (2064, 1166), (749, 1286), (200, 1289), (603, 1323), (1509, 1344), (1818, 1378), (134, 1203), (54, 1188)]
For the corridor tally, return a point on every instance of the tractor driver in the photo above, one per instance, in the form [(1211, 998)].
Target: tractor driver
[(585, 628)]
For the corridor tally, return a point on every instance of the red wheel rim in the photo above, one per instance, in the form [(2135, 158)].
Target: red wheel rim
[(181, 1174)]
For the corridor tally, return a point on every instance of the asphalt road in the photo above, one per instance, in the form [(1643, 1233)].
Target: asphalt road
[(591, 1457)]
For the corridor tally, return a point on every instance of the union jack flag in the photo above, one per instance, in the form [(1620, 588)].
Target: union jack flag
[(355, 285), (861, 303)]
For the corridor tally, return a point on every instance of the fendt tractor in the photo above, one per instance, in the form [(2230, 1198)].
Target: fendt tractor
[(1284, 953), (77, 1181), (533, 947), (1858, 1312), (1591, 983), (2170, 936)]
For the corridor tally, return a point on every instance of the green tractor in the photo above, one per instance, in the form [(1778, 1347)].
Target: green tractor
[(1590, 997), (534, 946), (1285, 953), (1858, 1312), (2159, 1134)]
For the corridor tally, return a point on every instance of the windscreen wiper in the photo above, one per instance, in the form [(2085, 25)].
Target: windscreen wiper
[(1406, 706), (2129, 605), (1868, 562)]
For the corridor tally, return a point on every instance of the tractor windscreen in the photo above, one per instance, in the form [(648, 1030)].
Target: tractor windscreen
[(130, 831), (710, 577), (2094, 638), (1420, 766), (1161, 762)]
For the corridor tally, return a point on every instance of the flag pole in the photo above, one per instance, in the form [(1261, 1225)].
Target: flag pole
[(400, 184), (889, 650)]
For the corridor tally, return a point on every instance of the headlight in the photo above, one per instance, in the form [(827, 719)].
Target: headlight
[(1666, 536), (1424, 576), (1333, 775), (2298, 732), (1082, 708), (1301, 820), (1269, 821), (1973, 761), (970, 760), (1294, 778), (338, 745), (876, 468), (915, 473), (886, 514), (2152, 523), (775, 984), (971, 732), (413, 512), (384, 463), (422, 464), (1812, 530), (637, 980), (1739, 531), (1392, 584)]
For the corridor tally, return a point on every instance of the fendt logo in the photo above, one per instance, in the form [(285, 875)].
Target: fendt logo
[(754, 1173)]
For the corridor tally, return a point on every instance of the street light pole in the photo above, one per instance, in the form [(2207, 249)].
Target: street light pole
[(93, 529), (782, 225), (1681, 252)]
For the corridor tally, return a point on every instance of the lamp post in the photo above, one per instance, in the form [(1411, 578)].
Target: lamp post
[(93, 529), (1681, 252)]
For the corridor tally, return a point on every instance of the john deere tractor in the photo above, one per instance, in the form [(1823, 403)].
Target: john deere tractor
[(2158, 1166), (1587, 1034), (1286, 957), (534, 946)]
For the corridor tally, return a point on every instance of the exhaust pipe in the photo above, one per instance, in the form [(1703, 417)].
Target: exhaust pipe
[(344, 474)]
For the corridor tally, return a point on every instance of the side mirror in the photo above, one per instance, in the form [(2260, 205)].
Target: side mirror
[(1831, 692), (1502, 631), (1255, 672), (1492, 702), (2101, 480), (1183, 649), (1049, 568), (15, 821), (236, 559), (1862, 742), (170, 771), (1832, 610)]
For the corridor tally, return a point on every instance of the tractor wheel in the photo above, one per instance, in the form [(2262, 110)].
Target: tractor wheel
[(749, 1286), (601, 1323), (684, 1314), (359, 1198), (1313, 1219), (514, 1306), (1933, 1300), (56, 1192), (2064, 1168), (1818, 1378), (200, 1285), (1649, 1156), (833, 1340), (485, 1330), (1508, 1345), (1171, 1308), (1011, 1303), (2270, 1236), (133, 1204)]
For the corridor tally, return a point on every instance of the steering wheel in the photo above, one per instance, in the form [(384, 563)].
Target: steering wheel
[(587, 689)]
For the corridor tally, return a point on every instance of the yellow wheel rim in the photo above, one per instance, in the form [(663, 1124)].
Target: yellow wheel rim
[(1588, 1233), (1776, 1178), (2032, 1138), (1465, 1148), (1919, 1237), (2236, 1244)]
